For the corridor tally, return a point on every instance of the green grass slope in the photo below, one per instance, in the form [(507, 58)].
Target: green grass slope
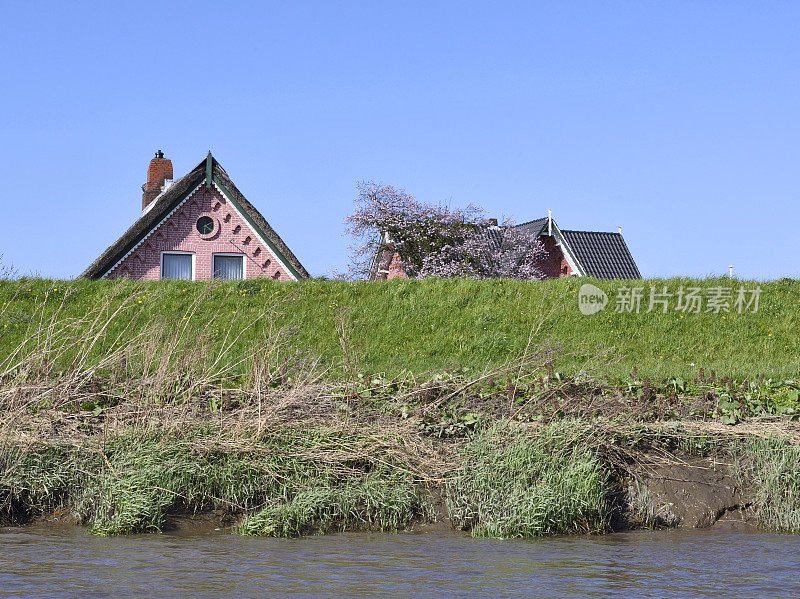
[(429, 325)]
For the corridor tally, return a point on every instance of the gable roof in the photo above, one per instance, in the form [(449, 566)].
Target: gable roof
[(602, 255), (208, 172)]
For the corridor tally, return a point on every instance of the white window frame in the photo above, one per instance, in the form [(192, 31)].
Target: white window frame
[(172, 253), (230, 254)]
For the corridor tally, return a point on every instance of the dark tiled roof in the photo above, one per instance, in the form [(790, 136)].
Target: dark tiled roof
[(535, 227), (171, 198), (602, 255), (495, 235)]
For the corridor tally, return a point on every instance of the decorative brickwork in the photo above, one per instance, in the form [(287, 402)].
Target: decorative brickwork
[(178, 233)]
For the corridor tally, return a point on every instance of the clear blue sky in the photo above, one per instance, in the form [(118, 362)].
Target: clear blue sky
[(679, 121)]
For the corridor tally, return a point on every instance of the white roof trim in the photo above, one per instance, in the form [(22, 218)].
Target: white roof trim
[(151, 231), (560, 240)]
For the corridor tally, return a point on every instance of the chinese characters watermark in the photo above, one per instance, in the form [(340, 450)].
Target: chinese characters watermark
[(687, 300)]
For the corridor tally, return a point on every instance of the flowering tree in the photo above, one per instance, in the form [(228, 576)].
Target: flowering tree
[(508, 253), (435, 240)]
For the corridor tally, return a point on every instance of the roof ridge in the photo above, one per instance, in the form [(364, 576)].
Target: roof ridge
[(595, 232), (530, 221)]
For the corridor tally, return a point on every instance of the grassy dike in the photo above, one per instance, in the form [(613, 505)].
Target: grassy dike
[(284, 410), (427, 326)]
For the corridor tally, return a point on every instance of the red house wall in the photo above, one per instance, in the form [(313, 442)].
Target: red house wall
[(555, 264), (396, 270), (232, 235)]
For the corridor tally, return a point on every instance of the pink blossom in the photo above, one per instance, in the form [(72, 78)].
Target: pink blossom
[(437, 241)]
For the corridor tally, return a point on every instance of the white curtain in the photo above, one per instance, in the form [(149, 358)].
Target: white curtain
[(229, 267), (177, 266)]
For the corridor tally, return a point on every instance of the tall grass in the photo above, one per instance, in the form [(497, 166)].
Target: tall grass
[(515, 484), (117, 350), (45, 479), (431, 325), (288, 483), (769, 466), (382, 501)]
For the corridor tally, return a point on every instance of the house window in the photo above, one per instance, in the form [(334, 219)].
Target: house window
[(229, 266), (177, 266)]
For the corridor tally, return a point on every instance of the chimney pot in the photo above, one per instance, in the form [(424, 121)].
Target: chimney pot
[(160, 170)]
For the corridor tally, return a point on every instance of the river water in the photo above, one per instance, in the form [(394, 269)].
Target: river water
[(56, 561)]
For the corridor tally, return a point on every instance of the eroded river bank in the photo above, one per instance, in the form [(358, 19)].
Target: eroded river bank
[(503, 480)]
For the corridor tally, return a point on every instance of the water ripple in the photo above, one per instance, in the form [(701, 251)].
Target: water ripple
[(50, 561)]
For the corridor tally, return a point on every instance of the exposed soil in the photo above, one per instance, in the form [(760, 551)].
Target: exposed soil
[(201, 522), (695, 493)]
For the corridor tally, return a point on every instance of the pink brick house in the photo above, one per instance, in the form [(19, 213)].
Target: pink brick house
[(196, 228)]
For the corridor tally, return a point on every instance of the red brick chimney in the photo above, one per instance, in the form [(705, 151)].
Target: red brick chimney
[(160, 170)]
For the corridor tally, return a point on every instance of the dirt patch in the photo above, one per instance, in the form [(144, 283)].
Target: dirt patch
[(692, 493), (203, 522)]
